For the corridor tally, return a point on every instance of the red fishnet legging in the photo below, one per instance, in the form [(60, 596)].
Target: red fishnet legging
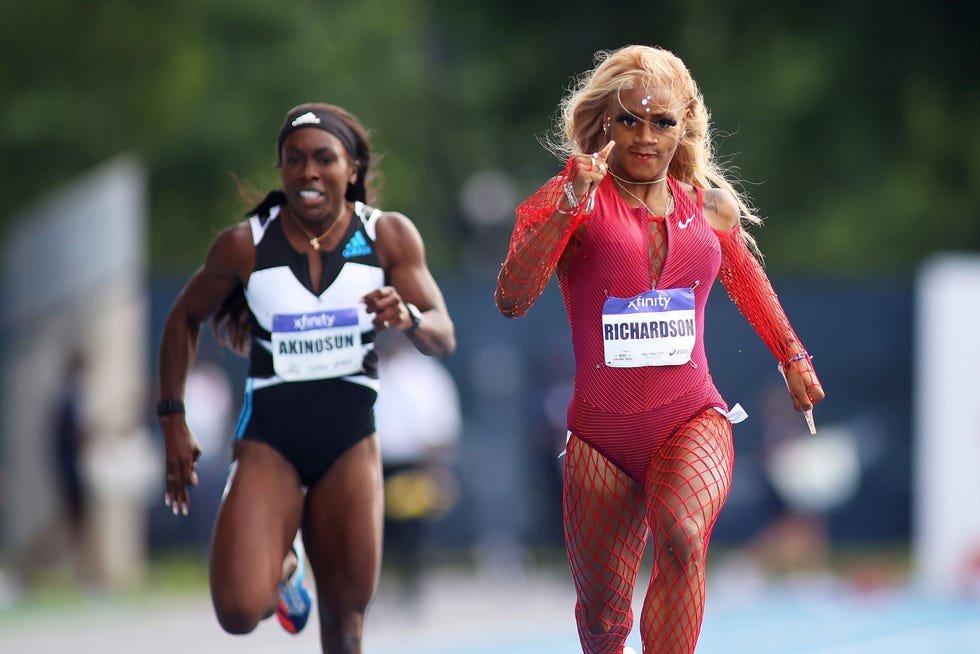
[(607, 517), (607, 514)]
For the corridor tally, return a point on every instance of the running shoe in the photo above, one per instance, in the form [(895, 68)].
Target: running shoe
[(294, 599)]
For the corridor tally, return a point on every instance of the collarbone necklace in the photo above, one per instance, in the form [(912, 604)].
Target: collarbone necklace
[(669, 204), (315, 240)]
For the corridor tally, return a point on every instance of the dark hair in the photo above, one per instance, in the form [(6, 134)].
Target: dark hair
[(231, 323)]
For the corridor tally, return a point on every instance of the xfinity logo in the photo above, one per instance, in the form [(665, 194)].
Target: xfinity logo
[(640, 303), (320, 321)]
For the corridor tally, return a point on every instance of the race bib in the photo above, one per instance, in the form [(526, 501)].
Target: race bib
[(655, 328), (316, 345)]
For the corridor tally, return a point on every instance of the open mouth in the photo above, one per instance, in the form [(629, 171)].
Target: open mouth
[(310, 195)]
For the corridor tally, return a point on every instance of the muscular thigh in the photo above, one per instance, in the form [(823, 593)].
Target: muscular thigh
[(601, 502), (691, 474), (342, 525), (258, 517), (589, 473)]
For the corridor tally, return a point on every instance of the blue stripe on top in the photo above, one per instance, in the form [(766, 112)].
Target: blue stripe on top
[(246, 413)]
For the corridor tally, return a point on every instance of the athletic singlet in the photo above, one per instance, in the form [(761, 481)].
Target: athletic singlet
[(626, 413), (299, 404), (280, 286)]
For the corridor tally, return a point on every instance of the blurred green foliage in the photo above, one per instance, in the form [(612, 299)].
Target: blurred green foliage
[(853, 125)]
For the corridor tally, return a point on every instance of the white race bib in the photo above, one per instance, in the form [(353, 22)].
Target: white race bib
[(655, 328), (316, 345)]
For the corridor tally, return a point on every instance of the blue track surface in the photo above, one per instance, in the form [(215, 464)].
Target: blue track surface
[(463, 614), (786, 622)]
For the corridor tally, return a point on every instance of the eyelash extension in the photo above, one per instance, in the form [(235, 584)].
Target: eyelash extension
[(662, 122)]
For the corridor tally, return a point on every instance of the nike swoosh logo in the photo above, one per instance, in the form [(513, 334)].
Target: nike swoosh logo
[(684, 223)]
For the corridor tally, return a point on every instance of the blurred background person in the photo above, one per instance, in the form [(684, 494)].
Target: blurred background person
[(66, 543), (419, 426), (69, 444), (796, 538), (209, 403)]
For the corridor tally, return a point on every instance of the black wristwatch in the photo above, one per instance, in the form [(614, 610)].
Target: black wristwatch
[(166, 407), (415, 315)]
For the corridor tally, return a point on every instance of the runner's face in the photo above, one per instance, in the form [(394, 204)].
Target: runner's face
[(315, 171), (646, 123)]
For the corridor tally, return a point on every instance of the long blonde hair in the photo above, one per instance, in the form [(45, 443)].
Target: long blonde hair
[(578, 127)]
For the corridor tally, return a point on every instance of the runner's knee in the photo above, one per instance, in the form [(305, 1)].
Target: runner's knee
[(602, 625), (683, 543), (238, 615)]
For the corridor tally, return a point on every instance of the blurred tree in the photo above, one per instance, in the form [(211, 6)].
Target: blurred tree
[(853, 124)]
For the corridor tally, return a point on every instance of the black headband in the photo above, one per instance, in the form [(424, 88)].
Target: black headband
[(321, 120)]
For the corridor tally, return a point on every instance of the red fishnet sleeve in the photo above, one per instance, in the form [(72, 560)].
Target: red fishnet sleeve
[(540, 236), (750, 290)]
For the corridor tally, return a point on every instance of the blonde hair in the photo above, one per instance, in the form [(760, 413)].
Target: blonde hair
[(578, 127)]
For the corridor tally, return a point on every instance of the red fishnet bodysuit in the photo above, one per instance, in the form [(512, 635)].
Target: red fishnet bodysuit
[(648, 453)]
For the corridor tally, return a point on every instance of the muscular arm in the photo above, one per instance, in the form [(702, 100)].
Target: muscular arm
[(228, 264), (402, 253)]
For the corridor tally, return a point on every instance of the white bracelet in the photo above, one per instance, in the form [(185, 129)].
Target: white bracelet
[(573, 201), (570, 194)]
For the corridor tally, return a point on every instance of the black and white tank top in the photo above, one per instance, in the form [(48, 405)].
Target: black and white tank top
[(298, 335)]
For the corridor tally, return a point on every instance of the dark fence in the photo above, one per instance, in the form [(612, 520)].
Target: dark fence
[(514, 380)]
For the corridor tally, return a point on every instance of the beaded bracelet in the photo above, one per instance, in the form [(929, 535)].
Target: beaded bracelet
[(799, 357)]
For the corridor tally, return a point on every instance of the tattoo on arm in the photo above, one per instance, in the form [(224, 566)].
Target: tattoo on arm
[(711, 201)]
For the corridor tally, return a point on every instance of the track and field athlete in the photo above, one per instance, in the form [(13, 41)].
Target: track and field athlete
[(303, 285), (637, 227)]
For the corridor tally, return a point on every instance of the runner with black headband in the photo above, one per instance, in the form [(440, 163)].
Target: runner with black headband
[(302, 286)]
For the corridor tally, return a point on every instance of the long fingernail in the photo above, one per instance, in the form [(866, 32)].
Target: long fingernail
[(166, 499), (808, 416)]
